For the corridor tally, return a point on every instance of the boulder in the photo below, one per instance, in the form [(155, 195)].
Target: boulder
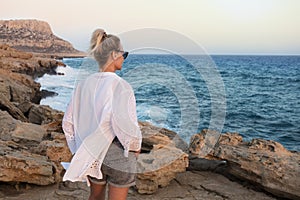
[(266, 164), (56, 150), (158, 135), (159, 167), (18, 87), (6, 105), (28, 153), (19, 165), (160, 160), (28, 132), (42, 114), (7, 125)]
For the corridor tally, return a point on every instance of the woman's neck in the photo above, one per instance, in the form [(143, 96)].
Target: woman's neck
[(109, 68)]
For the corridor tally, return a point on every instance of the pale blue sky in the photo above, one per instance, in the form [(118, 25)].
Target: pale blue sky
[(220, 26)]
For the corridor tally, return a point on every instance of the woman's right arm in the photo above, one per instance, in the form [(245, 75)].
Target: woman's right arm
[(68, 127)]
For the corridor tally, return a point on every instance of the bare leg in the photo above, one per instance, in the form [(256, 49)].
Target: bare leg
[(117, 193), (97, 191)]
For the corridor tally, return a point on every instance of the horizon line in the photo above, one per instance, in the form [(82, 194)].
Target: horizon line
[(220, 54)]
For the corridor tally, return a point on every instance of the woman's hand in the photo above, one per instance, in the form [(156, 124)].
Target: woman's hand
[(136, 153)]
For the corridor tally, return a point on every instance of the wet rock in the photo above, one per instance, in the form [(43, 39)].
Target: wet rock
[(46, 93), (202, 164)]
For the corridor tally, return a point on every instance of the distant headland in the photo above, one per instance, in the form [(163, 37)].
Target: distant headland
[(35, 36)]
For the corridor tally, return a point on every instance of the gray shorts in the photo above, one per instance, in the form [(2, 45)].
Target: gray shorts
[(117, 170)]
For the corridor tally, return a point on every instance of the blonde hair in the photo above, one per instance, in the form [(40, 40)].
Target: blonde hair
[(101, 45)]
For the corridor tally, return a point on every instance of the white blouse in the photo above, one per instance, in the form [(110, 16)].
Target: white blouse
[(102, 106)]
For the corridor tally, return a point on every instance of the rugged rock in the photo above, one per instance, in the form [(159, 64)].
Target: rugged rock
[(16, 80), (13, 60), (27, 132), (41, 114), (160, 160), (56, 149), (29, 152), (159, 167), (156, 135), (186, 186), (24, 142), (264, 163), (6, 105), (18, 162), (32, 152), (19, 93), (18, 87), (34, 36)]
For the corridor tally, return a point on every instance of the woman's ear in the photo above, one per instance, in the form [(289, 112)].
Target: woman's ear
[(114, 55)]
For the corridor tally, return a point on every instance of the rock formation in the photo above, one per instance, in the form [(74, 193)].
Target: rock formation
[(32, 142), (32, 146), (24, 125), (34, 36), (264, 163), (160, 160)]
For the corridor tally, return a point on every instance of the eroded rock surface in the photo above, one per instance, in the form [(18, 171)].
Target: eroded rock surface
[(185, 186), (19, 161), (264, 163)]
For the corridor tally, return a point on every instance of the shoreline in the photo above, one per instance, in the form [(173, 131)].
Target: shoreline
[(61, 56), (31, 133)]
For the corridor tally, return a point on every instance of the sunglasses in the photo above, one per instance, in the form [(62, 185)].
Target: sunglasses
[(124, 53)]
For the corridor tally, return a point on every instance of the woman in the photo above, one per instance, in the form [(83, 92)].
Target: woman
[(100, 124)]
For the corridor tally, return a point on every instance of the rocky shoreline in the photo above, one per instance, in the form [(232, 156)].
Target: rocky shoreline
[(32, 145)]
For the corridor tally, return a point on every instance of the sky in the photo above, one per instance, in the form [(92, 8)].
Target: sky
[(218, 26)]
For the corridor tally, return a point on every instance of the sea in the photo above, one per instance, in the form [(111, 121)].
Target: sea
[(255, 96)]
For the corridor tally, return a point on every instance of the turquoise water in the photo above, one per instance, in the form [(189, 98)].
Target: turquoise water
[(261, 93)]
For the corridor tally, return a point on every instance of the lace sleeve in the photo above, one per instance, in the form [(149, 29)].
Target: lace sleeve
[(68, 128), (135, 143), (124, 118)]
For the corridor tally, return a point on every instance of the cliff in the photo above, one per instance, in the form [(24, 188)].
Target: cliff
[(35, 36)]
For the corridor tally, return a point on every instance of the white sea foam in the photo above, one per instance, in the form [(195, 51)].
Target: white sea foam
[(62, 84)]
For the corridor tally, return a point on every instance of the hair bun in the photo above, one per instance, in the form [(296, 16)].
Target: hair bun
[(98, 36)]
